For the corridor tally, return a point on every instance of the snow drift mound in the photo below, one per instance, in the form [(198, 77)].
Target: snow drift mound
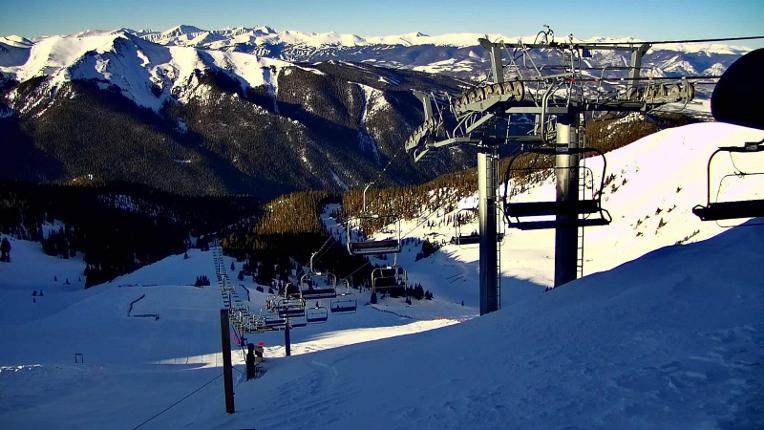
[(671, 340)]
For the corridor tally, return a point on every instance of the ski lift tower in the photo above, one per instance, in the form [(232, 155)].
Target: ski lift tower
[(551, 83)]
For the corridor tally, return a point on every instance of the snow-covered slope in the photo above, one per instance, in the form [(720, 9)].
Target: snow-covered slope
[(667, 341), (663, 336), (670, 340), (651, 187), (14, 51)]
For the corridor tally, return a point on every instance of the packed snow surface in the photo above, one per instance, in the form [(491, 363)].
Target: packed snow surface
[(664, 332)]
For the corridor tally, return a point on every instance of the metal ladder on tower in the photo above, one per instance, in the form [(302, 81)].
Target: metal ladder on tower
[(499, 228), (581, 195), (498, 275)]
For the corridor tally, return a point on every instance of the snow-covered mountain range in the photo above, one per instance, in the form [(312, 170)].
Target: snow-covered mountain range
[(221, 120), (453, 53), (218, 110)]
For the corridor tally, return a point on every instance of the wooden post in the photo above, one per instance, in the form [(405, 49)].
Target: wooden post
[(227, 368), (287, 340)]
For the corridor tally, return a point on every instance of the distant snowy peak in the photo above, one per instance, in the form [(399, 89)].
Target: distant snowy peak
[(16, 41), (188, 35), (150, 74), (181, 30)]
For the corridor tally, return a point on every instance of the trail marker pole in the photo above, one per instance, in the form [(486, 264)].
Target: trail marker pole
[(287, 340), (227, 368)]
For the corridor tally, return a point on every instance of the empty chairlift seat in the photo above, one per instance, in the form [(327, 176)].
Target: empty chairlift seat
[(367, 221), (316, 315), (345, 302), (311, 292), (722, 210), (469, 239), (388, 277), (291, 309), (585, 211), (375, 247), (343, 305), (273, 323)]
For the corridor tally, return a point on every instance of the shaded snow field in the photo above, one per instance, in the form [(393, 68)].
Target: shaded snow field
[(657, 336)]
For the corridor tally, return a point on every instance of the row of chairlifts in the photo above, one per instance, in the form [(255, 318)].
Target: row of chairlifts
[(294, 306), (341, 301), (386, 277)]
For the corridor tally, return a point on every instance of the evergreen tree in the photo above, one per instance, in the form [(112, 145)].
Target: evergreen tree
[(5, 250)]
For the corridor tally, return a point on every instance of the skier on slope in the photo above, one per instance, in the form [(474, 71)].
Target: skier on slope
[(251, 368), (259, 351)]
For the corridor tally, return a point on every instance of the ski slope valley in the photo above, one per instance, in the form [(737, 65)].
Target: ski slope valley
[(664, 330)]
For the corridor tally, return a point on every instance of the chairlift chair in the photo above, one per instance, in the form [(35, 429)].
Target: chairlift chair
[(372, 247), (311, 293), (716, 211), (273, 322), (297, 323), (472, 238), (388, 277), (344, 302), (316, 315), (291, 305), (566, 213)]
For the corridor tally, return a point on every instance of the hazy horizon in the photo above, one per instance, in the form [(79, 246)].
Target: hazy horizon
[(648, 20)]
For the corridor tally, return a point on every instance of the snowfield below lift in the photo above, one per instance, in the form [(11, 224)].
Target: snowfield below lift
[(671, 340), (651, 187), (659, 336)]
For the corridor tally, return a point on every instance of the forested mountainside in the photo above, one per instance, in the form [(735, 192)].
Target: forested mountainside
[(117, 227), (291, 227)]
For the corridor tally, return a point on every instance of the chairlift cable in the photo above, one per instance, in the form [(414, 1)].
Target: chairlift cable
[(319, 253), (670, 42), (384, 169), (347, 277), (178, 401), (426, 218)]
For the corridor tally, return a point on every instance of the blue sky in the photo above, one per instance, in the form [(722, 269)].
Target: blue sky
[(646, 19)]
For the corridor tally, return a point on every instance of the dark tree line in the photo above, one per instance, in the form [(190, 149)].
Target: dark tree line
[(118, 227)]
